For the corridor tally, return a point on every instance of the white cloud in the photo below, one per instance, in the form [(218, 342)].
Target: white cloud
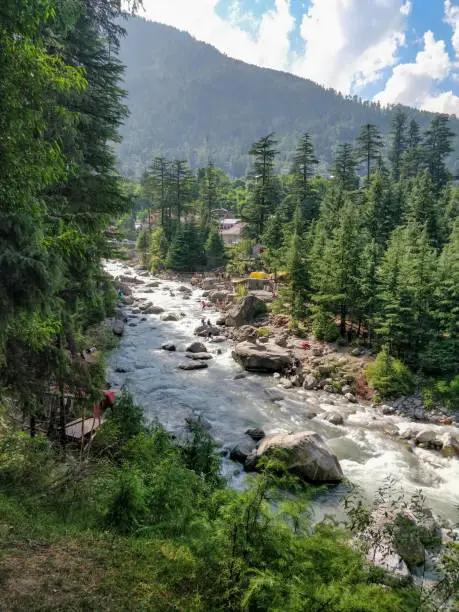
[(452, 17), (349, 42), (270, 48), (414, 84)]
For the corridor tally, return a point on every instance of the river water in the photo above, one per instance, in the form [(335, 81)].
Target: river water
[(368, 455)]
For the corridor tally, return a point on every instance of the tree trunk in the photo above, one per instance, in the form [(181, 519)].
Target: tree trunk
[(342, 326), (33, 426)]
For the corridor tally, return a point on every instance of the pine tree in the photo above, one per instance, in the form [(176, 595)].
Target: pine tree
[(263, 184), (304, 164), (178, 254), (369, 146), (422, 207), (208, 195), (215, 250), (438, 139), (413, 161), (398, 142), (344, 168), (179, 186), (158, 183), (381, 209), (447, 289), (297, 268)]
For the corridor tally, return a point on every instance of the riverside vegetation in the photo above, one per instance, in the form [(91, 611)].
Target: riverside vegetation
[(137, 520)]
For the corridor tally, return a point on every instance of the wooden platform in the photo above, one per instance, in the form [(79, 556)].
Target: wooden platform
[(79, 428)]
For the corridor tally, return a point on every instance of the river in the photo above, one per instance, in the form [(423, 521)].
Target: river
[(366, 453)]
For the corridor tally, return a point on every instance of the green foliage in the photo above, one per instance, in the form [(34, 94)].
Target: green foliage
[(448, 392), (389, 376), (323, 326), (126, 416), (215, 250)]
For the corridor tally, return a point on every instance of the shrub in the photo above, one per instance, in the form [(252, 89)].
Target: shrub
[(323, 327), (262, 331), (389, 376), (448, 392)]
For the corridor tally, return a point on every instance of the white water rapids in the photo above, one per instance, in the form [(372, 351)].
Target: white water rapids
[(366, 453)]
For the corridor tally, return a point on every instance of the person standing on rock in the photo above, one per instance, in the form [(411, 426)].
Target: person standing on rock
[(203, 304)]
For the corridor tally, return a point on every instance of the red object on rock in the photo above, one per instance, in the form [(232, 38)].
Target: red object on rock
[(305, 345)]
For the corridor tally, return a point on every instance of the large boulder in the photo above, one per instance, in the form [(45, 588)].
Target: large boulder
[(203, 331), (196, 347), (169, 317), (261, 358), (246, 310), (255, 433), (153, 310), (185, 289), (305, 454), (168, 346), (450, 445), (218, 296), (193, 365), (199, 356), (132, 280), (245, 333)]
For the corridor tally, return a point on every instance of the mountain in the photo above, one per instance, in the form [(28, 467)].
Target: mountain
[(189, 100)]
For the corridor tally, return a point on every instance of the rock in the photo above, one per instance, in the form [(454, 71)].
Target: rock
[(145, 306), (346, 389), (310, 382), (205, 294), (255, 433), (324, 369), (118, 328), (128, 300), (196, 347), (387, 559), (218, 296), (132, 280), (168, 347), (239, 376), (350, 398), (355, 352), (247, 309), (209, 283), (335, 418), (329, 389), (286, 383), (220, 321), (264, 340), (199, 356), (153, 310), (242, 449), (169, 317), (184, 289), (427, 439), (274, 394), (154, 284), (316, 351), (450, 445), (218, 339), (203, 331), (282, 340), (386, 409), (132, 324), (255, 358), (193, 365), (245, 333), (304, 453)]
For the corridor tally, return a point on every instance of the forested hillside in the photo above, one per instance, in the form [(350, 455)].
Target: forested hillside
[(189, 101)]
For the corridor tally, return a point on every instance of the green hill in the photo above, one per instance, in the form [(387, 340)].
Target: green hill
[(189, 100)]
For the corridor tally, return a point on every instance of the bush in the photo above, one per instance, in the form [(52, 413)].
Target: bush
[(262, 331), (448, 393), (389, 376), (323, 327), (440, 357)]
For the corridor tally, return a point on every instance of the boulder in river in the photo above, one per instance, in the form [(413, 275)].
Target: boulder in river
[(184, 289), (450, 445), (310, 382), (255, 433), (305, 454), (256, 358), (242, 449), (335, 418), (131, 280), (193, 365), (168, 346), (203, 331), (170, 316), (196, 347), (199, 356), (153, 310), (246, 310)]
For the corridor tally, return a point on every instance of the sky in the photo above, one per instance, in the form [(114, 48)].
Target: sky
[(392, 51)]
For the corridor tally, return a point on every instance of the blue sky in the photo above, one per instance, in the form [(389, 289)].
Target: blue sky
[(394, 51)]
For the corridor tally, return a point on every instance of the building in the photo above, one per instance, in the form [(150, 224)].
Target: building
[(231, 231), (220, 213)]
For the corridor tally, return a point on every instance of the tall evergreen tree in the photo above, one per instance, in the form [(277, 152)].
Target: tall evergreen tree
[(158, 182), (438, 139), (215, 250), (447, 289), (297, 268), (263, 184), (414, 158), (381, 209), (304, 165), (398, 142), (180, 181), (344, 168), (423, 209), (208, 195), (369, 146)]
